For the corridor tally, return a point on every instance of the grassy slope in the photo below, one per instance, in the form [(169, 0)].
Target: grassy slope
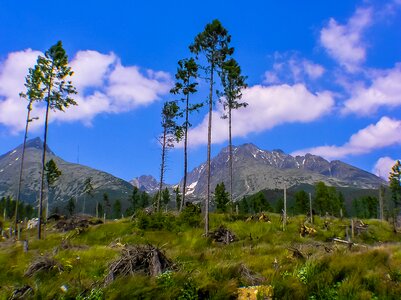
[(213, 270)]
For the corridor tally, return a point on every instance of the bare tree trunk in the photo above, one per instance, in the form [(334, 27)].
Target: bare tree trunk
[(381, 208), (209, 142), (285, 209), (230, 146), (162, 169), (22, 163), (310, 208), (184, 188), (42, 183)]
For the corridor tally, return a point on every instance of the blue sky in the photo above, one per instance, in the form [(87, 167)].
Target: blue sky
[(324, 77)]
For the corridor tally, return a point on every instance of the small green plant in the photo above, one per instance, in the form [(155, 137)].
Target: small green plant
[(166, 279), (95, 294), (189, 291)]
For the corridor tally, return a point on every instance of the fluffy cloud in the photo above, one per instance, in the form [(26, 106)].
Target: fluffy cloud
[(290, 67), (344, 42), (385, 90), (90, 68), (268, 107), (375, 136), (383, 167), (103, 83), (130, 88), (12, 78)]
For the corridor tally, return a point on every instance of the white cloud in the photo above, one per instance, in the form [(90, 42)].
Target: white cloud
[(385, 90), (129, 88), (289, 67), (90, 68), (12, 78), (314, 71), (344, 42), (103, 83), (383, 167), (375, 136), (268, 107)]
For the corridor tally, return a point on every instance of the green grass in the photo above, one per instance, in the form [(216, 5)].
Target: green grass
[(208, 269)]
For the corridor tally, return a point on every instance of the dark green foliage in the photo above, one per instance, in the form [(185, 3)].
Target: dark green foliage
[(106, 205), (327, 200), (233, 85), (178, 198), (302, 202), (221, 197), (52, 172), (255, 203), (100, 210), (395, 184), (88, 187), (165, 197), (117, 209), (190, 215), (70, 207), (155, 221), (213, 42), (279, 206), (366, 207), (138, 200), (7, 208)]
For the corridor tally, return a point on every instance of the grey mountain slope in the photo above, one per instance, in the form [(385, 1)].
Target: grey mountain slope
[(70, 184), (257, 169), (146, 183)]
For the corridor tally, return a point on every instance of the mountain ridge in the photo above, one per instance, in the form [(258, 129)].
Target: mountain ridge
[(70, 184), (256, 169)]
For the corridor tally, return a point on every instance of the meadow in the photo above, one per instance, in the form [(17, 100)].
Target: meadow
[(282, 263)]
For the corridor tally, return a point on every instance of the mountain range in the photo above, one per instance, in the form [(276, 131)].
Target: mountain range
[(71, 183), (254, 170)]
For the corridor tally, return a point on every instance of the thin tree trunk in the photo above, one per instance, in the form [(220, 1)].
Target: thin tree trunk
[(47, 204), (83, 206), (184, 189), (209, 142), (230, 147), (285, 209), (22, 163), (162, 169), (42, 183)]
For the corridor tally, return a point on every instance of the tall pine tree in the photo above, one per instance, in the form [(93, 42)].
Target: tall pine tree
[(233, 84), (186, 85), (213, 43), (50, 85)]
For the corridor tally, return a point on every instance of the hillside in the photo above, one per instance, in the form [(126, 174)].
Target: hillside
[(70, 184)]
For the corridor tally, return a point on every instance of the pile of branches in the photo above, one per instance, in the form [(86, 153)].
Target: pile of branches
[(25, 292), (262, 217), (248, 277), (222, 235), (76, 222), (142, 259), (304, 230), (43, 263), (360, 226)]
